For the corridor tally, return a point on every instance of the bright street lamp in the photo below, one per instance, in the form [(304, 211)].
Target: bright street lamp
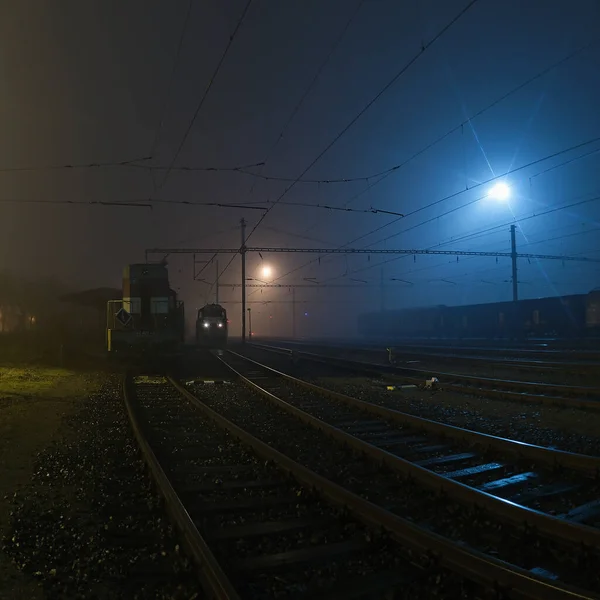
[(500, 191), (266, 271)]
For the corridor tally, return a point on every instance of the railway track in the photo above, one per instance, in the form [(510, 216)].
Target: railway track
[(540, 351), (478, 358), (521, 483), (260, 525), (587, 397)]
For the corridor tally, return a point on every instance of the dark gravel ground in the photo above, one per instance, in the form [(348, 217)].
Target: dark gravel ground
[(89, 525), (569, 429), (464, 525)]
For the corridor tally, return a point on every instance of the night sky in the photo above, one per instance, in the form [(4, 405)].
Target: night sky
[(87, 83)]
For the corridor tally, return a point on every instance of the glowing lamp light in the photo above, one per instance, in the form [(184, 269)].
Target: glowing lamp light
[(500, 191), (266, 271)]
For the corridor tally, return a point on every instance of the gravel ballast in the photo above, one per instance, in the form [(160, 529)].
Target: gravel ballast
[(568, 429), (381, 486), (89, 525)]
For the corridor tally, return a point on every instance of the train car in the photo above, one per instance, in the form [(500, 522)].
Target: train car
[(211, 327), (592, 313), (148, 322), (574, 316)]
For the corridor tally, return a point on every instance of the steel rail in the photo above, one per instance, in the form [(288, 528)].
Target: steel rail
[(376, 369), (475, 566), (547, 525), (211, 574), (458, 355), (503, 383), (582, 463)]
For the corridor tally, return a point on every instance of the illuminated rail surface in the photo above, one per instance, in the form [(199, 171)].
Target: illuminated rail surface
[(258, 524)]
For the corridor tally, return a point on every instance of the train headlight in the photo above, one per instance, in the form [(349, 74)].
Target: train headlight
[(206, 324), (220, 325)]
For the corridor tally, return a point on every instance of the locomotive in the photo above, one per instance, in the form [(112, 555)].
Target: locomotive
[(148, 322), (211, 326), (574, 316)]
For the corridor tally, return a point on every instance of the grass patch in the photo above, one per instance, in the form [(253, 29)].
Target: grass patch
[(39, 381)]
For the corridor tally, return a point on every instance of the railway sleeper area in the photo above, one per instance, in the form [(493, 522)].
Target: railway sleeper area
[(261, 533), (292, 491), (560, 484)]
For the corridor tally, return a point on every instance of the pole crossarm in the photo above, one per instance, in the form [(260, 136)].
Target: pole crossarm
[(365, 251), (314, 286)]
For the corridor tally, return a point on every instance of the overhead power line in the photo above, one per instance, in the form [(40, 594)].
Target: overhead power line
[(394, 221), (468, 236), (386, 173), (205, 94), (141, 204), (379, 176), (149, 202), (321, 251), (163, 107), (90, 165), (307, 91), (341, 208), (379, 94)]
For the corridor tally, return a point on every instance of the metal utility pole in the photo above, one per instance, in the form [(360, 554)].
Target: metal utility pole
[(243, 254), (249, 324), (513, 256), (294, 313), (217, 284), (382, 290)]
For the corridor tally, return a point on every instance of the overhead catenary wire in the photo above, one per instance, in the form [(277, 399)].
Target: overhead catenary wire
[(487, 269), (436, 202), (205, 94), (89, 165), (344, 209), (381, 174), (379, 94), (379, 177), (454, 240), (167, 94), (471, 202), (149, 202), (310, 87), (141, 203), (293, 114)]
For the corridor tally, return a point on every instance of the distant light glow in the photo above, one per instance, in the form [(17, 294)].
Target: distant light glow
[(266, 271), (306, 314), (500, 191)]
